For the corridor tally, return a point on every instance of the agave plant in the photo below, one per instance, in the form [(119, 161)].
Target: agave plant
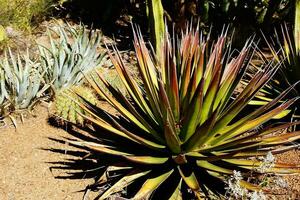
[(290, 72), (21, 82), (183, 130), (287, 43), (70, 56), (284, 50)]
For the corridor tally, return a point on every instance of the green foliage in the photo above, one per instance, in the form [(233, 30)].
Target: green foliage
[(2, 33), (184, 124), (156, 21), (297, 26), (21, 13), (21, 83), (70, 56)]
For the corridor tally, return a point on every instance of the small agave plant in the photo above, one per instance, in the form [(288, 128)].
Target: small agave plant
[(21, 83), (183, 132), (70, 56)]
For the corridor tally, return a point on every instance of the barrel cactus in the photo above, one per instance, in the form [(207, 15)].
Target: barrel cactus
[(66, 107)]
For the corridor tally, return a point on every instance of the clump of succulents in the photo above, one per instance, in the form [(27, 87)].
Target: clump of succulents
[(21, 83), (183, 129), (69, 57)]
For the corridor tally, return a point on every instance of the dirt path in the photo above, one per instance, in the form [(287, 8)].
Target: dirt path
[(24, 167)]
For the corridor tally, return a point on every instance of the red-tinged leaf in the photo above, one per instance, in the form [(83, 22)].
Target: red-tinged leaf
[(281, 139), (210, 96), (263, 142), (257, 163), (175, 104)]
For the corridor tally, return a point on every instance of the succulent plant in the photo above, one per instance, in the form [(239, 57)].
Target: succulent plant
[(283, 48), (21, 82), (66, 107), (70, 56), (183, 130)]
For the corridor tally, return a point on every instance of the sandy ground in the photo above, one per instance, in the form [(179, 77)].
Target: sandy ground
[(25, 164), (24, 167)]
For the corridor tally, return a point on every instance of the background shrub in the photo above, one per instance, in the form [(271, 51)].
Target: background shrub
[(24, 13)]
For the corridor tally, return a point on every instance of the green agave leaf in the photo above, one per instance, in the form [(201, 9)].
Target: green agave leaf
[(177, 195), (120, 131), (191, 181), (123, 133), (250, 137), (170, 133), (151, 184), (123, 183), (250, 186), (101, 148), (198, 139), (256, 163), (125, 112), (256, 122), (147, 160), (282, 114), (129, 83), (193, 116), (266, 142), (212, 167)]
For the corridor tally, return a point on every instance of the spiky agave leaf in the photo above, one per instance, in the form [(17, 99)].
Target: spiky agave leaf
[(70, 56), (182, 127)]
